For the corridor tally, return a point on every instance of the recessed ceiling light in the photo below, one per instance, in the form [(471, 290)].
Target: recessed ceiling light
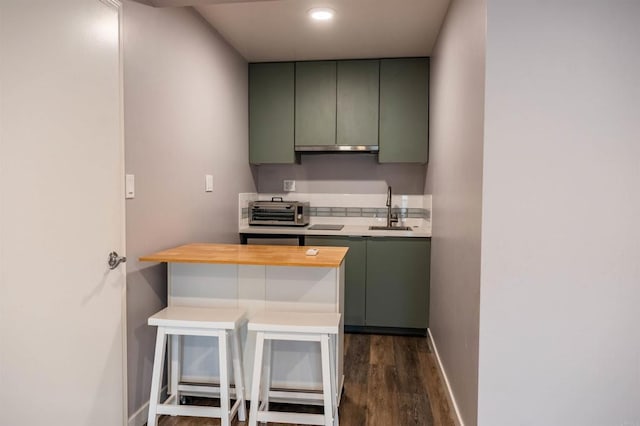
[(321, 13)]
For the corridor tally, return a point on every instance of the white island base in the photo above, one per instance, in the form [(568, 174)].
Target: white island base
[(296, 365)]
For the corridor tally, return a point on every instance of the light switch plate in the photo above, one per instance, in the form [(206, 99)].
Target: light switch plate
[(129, 186), (208, 183), (289, 185)]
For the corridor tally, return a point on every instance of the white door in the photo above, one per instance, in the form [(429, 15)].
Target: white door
[(61, 213)]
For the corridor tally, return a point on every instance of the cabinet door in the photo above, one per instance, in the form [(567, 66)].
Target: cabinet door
[(315, 103), (398, 282), (358, 100), (404, 110), (355, 274), (271, 109)]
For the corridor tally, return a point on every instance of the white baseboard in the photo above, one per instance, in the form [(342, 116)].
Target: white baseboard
[(452, 398), (139, 418)]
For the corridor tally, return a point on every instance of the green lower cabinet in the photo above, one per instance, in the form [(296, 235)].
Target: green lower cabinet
[(355, 274), (386, 280), (398, 282)]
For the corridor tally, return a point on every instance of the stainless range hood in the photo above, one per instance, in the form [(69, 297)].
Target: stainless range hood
[(337, 148)]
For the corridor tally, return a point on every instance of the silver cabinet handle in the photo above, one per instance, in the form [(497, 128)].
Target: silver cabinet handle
[(115, 260)]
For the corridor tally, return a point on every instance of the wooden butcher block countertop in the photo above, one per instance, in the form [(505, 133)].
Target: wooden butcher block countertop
[(250, 255)]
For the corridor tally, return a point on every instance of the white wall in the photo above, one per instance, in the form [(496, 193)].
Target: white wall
[(185, 116), (559, 324), (455, 178)]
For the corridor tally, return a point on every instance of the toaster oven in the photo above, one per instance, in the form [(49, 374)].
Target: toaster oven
[(278, 212)]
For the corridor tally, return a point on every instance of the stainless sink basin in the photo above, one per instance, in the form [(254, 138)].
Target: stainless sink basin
[(390, 228)]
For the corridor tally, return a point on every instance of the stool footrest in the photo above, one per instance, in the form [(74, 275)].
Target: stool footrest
[(208, 390), (291, 418), (189, 410), (195, 410), (307, 396)]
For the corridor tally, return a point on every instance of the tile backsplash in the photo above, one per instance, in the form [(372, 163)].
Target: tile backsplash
[(326, 206)]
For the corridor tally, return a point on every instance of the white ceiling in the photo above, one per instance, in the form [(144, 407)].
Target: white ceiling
[(280, 30)]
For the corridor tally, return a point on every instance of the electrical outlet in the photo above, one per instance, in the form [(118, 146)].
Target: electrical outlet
[(289, 185)]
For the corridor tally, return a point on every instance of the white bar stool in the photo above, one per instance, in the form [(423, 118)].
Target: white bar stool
[(222, 323), (294, 326)]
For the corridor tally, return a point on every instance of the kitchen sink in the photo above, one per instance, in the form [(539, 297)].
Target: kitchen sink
[(390, 228)]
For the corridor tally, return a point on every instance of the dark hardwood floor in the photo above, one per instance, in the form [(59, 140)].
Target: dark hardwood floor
[(389, 380)]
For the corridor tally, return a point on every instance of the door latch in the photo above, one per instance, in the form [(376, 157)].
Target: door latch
[(115, 260)]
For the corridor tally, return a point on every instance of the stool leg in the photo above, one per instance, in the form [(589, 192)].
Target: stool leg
[(176, 342), (238, 376), (266, 379), (224, 378), (255, 386), (334, 379), (156, 377), (327, 390)]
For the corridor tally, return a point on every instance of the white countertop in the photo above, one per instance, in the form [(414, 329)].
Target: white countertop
[(420, 231)]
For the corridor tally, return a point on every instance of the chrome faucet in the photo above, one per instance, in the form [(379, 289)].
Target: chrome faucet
[(391, 218)]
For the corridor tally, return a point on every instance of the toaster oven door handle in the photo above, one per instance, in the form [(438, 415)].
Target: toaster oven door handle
[(277, 199)]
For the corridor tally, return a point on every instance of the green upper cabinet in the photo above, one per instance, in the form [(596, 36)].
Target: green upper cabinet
[(271, 113), (315, 103), (357, 102), (327, 105), (404, 110)]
